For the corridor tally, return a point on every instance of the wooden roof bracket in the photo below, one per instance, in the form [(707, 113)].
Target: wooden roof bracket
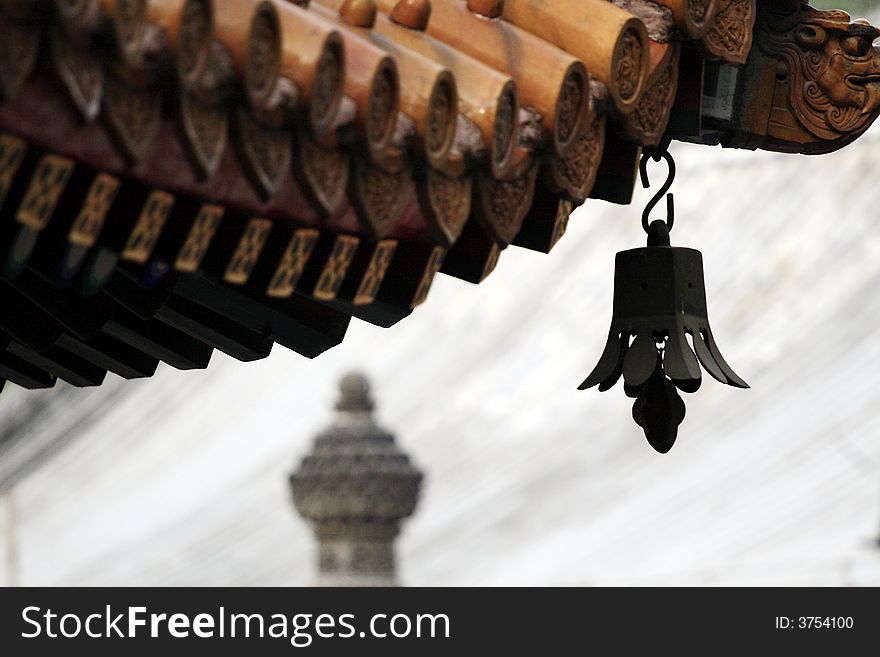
[(811, 84)]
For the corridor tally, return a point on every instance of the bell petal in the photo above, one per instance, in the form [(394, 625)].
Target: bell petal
[(640, 360), (732, 377), (609, 382), (706, 358), (688, 385), (679, 362), (608, 363)]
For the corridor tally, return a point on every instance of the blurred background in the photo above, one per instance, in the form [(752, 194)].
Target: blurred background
[(182, 479), (854, 7)]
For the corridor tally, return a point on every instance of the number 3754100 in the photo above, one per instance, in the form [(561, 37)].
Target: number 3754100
[(815, 622)]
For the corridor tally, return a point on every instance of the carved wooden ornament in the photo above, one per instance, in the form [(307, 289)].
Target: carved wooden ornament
[(812, 83), (264, 152), (378, 197), (44, 191), (19, 47), (12, 152), (90, 219), (205, 130), (446, 203), (148, 228), (336, 267), (321, 171), (246, 254), (730, 35), (372, 278), (432, 267), (194, 43), (293, 263), (205, 98), (693, 17), (81, 73), (501, 205), (133, 117), (573, 175), (647, 122), (199, 238)]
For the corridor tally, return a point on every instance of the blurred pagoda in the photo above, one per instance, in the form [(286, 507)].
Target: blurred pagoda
[(355, 487)]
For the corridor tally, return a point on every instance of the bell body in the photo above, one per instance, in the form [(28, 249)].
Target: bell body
[(659, 282)]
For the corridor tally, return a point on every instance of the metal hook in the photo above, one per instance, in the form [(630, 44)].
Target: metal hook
[(643, 173)]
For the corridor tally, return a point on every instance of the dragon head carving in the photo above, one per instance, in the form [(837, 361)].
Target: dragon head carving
[(827, 89)]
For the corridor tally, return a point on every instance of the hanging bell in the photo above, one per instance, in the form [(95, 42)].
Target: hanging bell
[(660, 333)]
